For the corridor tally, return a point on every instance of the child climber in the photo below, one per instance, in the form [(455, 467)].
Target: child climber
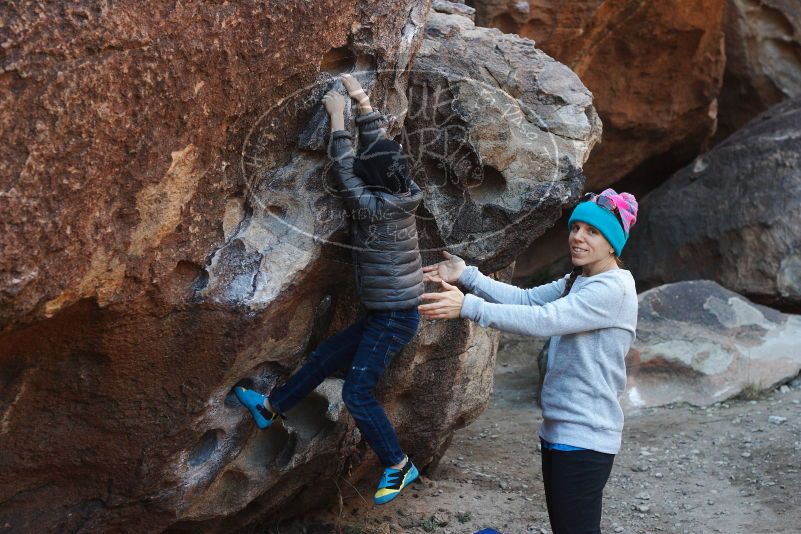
[(591, 316), (381, 200)]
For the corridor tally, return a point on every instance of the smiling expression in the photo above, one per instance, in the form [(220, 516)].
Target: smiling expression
[(588, 247)]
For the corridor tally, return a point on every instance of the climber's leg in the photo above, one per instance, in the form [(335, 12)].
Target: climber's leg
[(385, 334), (333, 354)]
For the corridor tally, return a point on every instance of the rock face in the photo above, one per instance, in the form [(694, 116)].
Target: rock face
[(700, 343), (500, 131), (763, 59), (168, 232), (128, 131), (655, 69), (732, 216)]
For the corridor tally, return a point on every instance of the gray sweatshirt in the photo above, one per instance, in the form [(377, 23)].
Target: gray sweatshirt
[(591, 331)]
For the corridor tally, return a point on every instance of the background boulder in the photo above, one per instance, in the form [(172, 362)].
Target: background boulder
[(664, 87), (700, 343), (763, 59), (654, 68), (732, 216)]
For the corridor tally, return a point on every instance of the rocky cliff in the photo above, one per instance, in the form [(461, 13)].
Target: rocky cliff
[(655, 69)]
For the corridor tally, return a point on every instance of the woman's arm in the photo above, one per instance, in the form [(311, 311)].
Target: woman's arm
[(595, 305), (453, 270), (499, 292)]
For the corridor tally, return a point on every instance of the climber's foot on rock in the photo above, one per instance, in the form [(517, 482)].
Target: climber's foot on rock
[(255, 402)]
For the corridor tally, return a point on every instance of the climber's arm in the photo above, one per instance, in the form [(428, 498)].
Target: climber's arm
[(369, 122), (358, 199), (357, 93)]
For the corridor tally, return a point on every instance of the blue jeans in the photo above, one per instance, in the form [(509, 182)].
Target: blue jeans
[(367, 347)]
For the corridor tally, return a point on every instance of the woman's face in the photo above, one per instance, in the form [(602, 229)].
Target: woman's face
[(588, 246)]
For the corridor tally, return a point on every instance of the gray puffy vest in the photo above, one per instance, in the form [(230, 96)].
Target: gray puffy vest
[(389, 270)]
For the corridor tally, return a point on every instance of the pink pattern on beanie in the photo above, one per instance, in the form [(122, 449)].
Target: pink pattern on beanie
[(626, 205)]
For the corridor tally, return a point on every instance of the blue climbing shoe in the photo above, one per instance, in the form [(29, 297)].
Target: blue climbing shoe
[(254, 401), (394, 480)]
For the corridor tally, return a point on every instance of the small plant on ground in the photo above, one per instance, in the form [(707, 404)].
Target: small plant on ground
[(463, 517), (429, 525), (751, 392)]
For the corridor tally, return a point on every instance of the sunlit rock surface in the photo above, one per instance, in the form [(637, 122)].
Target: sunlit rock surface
[(654, 68), (700, 343)]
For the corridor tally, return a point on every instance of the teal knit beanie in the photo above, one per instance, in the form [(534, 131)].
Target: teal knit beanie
[(607, 222)]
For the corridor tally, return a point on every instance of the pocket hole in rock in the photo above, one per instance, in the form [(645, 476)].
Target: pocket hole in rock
[(204, 448), (492, 185), (338, 60), (366, 62), (277, 211), (271, 448), (201, 281), (308, 417), (230, 400)]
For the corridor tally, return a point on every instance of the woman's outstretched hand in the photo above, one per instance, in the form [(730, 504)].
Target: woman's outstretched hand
[(447, 304), (448, 270)]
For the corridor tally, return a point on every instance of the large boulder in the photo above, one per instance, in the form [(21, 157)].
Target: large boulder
[(700, 343), (499, 131), (654, 68), (168, 232), (763, 59), (733, 216)]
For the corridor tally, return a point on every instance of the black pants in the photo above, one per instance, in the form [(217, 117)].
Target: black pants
[(574, 484)]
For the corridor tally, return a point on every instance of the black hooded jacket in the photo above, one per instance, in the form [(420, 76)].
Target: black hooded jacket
[(383, 166), (389, 270)]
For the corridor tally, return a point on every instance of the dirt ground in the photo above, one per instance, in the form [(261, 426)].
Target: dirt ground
[(731, 468)]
